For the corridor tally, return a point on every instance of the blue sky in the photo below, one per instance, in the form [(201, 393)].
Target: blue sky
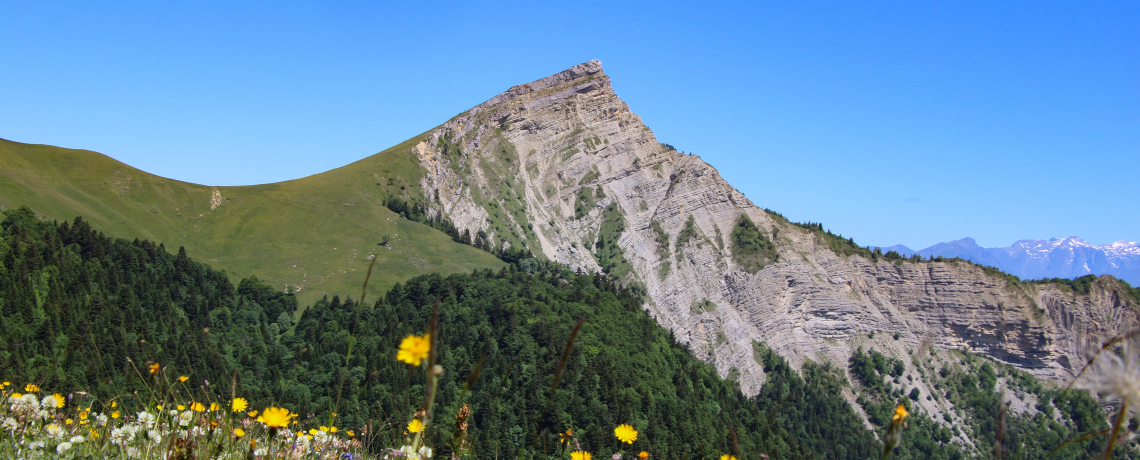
[(900, 122)]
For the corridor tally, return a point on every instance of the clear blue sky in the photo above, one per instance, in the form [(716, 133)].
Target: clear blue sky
[(902, 122)]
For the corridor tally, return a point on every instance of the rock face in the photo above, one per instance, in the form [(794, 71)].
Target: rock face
[(562, 166)]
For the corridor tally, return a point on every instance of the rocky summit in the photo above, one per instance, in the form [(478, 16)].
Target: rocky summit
[(563, 167)]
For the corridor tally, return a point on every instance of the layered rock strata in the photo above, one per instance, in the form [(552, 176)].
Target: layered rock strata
[(545, 165)]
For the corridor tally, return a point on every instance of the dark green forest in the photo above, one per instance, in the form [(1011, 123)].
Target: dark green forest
[(84, 312)]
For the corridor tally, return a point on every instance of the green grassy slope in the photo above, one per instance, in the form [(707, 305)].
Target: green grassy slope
[(313, 233)]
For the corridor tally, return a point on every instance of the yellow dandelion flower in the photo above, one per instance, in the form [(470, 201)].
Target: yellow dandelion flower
[(251, 413), (625, 433), (59, 400), (183, 379), (415, 426), (350, 433), (312, 431), (332, 429), (727, 457), (275, 417), (239, 404), (154, 368), (579, 455), (82, 422), (159, 406), (414, 349), (900, 414), (238, 432), (643, 455), (197, 407), (31, 388), (115, 404), (324, 428), (7, 383), (115, 414), (83, 415), (181, 407), (67, 422), (17, 396), (94, 434)]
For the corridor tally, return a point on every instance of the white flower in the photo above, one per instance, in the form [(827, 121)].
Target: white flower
[(9, 424), (321, 437), (154, 436), (408, 452), (302, 441), (63, 447), (260, 452), (133, 452), (184, 418), (197, 431), (119, 435), (146, 419), (102, 418), (1118, 378), (54, 430), (76, 440), (24, 404), (43, 414), (48, 402), (425, 452)]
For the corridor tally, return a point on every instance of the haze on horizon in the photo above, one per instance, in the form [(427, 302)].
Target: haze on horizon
[(892, 124)]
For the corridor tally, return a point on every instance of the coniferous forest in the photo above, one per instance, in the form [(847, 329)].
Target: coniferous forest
[(82, 312)]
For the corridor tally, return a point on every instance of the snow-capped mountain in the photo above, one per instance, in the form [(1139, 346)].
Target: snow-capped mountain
[(1069, 257)]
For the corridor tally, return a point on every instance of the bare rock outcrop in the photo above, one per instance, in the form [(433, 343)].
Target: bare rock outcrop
[(547, 164)]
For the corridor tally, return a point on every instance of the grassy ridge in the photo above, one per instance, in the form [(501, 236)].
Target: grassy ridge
[(314, 233)]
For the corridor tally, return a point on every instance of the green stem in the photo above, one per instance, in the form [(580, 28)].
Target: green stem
[(1116, 429)]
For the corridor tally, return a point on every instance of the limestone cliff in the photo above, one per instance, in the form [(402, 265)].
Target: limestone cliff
[(563, 166)]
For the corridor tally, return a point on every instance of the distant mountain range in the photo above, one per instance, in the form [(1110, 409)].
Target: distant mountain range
[(1069, 257)]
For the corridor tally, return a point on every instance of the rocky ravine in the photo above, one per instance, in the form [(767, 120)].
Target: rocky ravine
[(540, 164)]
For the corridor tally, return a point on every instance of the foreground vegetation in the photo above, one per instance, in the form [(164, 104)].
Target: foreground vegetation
[(123, 327)]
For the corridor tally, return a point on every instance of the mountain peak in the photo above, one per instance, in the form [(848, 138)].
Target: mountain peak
[(584, 71)]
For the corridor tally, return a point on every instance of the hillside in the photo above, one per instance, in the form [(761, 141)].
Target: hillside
[(312, 234)]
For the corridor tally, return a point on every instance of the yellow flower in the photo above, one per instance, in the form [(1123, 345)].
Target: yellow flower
[(31, 388), (17, 396), (579, 455), (7, 383), (83, 415), (275, 417), (115, 414), (312, 431), (183, 379), (332, 429), (154, 368), (350, 433), (213, 407), (67, 422), (625, 433), (159, 406), (197, 407), (239, 432), (727, 457), (94, 434), (415, 426), (238, 404), (414, 349), (900, 414), (115, 404), (181, 407), (59, 401), (643, 455), (251, 413)]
